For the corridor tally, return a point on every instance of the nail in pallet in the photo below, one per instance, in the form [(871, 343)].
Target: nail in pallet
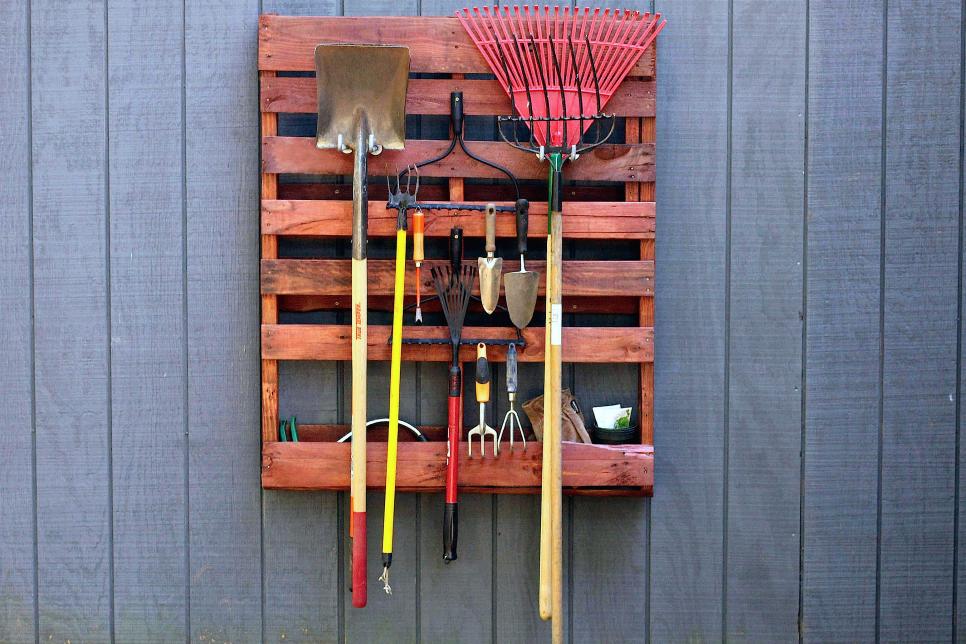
[(439, 45)]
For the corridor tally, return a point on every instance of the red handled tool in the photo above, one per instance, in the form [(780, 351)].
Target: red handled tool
[(454, 284)]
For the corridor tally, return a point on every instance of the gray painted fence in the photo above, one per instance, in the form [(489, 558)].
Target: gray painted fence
[(809, 348)]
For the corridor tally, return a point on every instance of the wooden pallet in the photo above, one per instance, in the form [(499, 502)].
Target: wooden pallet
[(439, 45)]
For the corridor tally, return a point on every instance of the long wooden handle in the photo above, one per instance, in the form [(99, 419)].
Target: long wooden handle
[(555, 289), (358, 425), (546, 475)]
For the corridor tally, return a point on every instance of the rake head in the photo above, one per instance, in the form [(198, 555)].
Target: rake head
[(454, 288), (559, 67)]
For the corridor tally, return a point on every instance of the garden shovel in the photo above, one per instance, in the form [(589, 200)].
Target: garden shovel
[(521, 286), (491, 268), (362, 109)]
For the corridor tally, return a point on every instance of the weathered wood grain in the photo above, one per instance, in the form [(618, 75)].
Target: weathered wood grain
[(422, 466), (471, 192), (919, 364), (585, 220), (609, 534), (302, 595), (436, 44), (332, 277), (581, 344), (842, 345), (16, 378), (72, 333), (687, 510), (223, 367), (592, 305), (431, 96), (301, 531), (609, 162), (765, 377), (148, 368)]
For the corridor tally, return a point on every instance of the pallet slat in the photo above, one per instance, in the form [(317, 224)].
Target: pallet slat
[(609, 162), (422, 467), (334, 277), (580, 344), (297, 95), (582, 220), (437, 44), (573, 304)]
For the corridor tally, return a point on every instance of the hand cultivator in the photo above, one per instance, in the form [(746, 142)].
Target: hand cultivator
[(559, 67)]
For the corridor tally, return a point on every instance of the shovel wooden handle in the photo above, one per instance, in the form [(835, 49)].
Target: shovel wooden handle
[(360, 355)]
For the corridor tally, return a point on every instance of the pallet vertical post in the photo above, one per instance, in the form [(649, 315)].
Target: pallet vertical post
[(269, 243)]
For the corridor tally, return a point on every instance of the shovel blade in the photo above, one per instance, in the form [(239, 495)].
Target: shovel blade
[(356, 81), (521, 296), (490, 272)]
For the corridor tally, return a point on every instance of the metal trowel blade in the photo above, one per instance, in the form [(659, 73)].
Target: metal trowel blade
[(491, 269), (521, 296)]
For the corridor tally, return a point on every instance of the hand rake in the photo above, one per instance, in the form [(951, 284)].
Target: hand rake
[(559, 67), (454, 285)]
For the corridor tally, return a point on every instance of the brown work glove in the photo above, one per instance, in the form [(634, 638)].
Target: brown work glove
[(571, 422)]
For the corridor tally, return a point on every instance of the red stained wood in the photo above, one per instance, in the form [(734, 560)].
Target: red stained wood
[(421, 467), (580, 344), (436, 44), (594, 305), (609, 162), (431, 96), (471, 192), (582, 220), (334, 277)]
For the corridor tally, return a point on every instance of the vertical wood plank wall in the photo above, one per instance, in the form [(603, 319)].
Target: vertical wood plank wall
[(808, 373)]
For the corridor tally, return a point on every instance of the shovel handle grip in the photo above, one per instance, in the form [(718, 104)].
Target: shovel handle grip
[(523, 224), (490, 229), (359, 547), (456, 248)]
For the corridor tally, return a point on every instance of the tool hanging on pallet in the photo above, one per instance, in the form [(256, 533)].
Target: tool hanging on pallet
[(512, 419), (361, 114), (482, 397), (454, 285), (399, 288), (491, 268), (521, 285), (546, 59)]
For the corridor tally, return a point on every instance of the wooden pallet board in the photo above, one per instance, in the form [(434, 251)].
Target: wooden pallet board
[(612, 200), (422, 467)]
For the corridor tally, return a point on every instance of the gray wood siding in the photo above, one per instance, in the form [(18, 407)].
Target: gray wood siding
[(809, 353)]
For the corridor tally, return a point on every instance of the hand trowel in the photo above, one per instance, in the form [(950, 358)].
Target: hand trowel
[(521, 286), (491, 268)]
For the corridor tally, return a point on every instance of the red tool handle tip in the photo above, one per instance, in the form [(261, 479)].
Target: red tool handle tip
[(359, 559)]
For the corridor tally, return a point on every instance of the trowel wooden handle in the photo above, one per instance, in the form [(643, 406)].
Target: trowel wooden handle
[(482, 374), (418, 224), (490, 229)]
